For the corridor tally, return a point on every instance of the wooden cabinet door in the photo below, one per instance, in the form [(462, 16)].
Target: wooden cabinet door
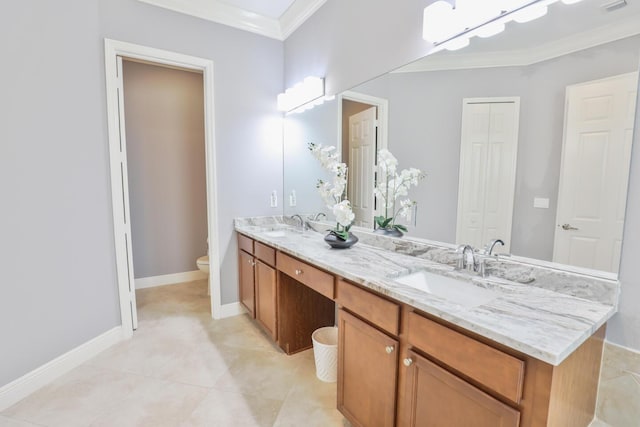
[(367, 373), (247, 280), (266, 297), (438, 398)]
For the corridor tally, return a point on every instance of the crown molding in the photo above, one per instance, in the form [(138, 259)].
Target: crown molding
[(297, 14), (222, 13), (554, 49)]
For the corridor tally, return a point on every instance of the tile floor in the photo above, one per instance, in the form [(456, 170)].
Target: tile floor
[(182, 368)]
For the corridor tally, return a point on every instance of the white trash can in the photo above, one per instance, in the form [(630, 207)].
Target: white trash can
[(325, 353)]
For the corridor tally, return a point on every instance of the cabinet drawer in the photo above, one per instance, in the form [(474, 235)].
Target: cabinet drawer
[(488, 366), (313, 277), (245, 243), (265, 253), (379, 311)]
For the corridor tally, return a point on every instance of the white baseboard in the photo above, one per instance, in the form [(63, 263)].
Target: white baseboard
[(169, 279), (25, 385), (232, 309)]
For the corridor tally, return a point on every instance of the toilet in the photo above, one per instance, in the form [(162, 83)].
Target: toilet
[(203, 265)]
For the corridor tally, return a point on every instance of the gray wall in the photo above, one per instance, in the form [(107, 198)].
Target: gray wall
[(348, 42), (314, 49), (164, 116), (58, 285), (425, 111)]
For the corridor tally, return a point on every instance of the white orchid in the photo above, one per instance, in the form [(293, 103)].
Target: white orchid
[(391, 186), (343, 213), (334, 193)]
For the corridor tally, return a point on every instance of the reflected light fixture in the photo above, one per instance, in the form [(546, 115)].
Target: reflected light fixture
[(450, 25), (310, 89)]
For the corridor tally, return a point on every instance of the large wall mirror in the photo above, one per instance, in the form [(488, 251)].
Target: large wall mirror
[(525, 136)]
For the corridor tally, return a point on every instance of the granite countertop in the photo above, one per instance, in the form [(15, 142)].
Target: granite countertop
[(539, 322)]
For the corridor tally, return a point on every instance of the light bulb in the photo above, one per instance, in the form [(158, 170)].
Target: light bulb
[(438, 22)]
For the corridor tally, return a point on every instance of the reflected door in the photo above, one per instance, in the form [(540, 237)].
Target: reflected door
[(488, 154), (362, 151), (599, 118)]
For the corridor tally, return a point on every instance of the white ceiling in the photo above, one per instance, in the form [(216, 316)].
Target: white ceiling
[(271, 18)]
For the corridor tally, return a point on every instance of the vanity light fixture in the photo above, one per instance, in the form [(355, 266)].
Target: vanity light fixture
[(451, 27), (311, 89)]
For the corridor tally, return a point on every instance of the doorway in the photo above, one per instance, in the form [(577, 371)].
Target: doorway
[(363, 132), (114, 52)]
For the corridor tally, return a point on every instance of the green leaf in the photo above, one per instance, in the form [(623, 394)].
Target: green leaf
[(379, 220), (386, 222), (342, 235), (400, 227), (348, 227)]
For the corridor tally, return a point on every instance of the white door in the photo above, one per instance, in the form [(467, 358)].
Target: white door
[(488, 151), (599, 118), (124, 180), (362, 152)]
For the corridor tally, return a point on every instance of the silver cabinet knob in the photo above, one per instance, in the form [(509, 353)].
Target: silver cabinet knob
[(298, 272), (408, 362), (389, 349)]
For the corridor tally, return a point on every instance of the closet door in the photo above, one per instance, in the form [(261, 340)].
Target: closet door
[(488, 152)]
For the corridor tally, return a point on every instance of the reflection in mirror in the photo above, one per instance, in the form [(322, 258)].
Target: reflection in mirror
[(525, 137)]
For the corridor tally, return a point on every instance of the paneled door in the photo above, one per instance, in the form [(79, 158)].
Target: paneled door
[(488, 151), (599, 118), (362, 152)]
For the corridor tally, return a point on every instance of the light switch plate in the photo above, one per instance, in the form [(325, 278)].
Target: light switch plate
[(541, 202)]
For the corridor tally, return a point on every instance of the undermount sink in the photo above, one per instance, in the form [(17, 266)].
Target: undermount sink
[(275, 233), (281, 231), (454, 290)]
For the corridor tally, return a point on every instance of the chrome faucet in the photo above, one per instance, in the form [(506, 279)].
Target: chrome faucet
[(299, 218), (488, 249), (467, 260), (317, 216)]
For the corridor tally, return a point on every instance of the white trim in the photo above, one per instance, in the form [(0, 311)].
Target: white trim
[(297, 14), (532, 55), (169, 279), (231, 309), (113, 49), (226, 14), (635, 352), (20, 388)]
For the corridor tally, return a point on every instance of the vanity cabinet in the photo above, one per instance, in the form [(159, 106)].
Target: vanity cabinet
[(258, 288), (266, 289), (367, 373), (436, 398), (287, 297), (398, 366), (368, 349), (247, 281), (453, 377)]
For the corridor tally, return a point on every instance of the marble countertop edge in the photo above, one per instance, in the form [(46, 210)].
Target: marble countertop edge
[(565, 337)]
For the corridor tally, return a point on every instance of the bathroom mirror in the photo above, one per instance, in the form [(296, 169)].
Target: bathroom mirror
[(547, 82)]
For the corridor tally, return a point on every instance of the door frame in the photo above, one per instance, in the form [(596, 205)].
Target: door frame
[(382, 131), (113, 49)]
